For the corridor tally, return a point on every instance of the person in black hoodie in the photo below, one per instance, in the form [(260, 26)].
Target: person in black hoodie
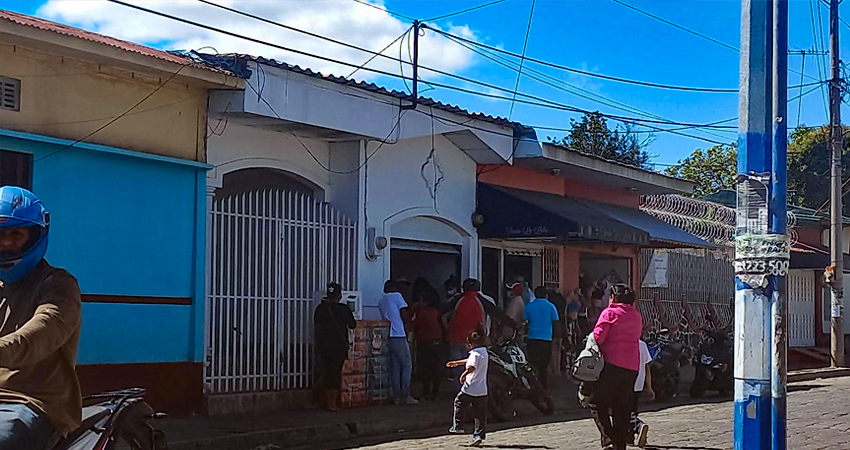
[(333, 320)]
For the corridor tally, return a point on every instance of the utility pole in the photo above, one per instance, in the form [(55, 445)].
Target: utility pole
[(836, 203), (762, 247), (417, 25)]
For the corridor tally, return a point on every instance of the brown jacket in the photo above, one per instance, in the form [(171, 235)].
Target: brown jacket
[(39, 333)]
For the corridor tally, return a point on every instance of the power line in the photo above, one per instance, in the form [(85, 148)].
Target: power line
[(379, 53), (117, 118), (564, 86), (433, 19), (590, 74), (402, 16), (522, 59), (687, 30), (401, 114), (542, 102)]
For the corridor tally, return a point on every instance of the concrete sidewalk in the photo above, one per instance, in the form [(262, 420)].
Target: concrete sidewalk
[(313, 426)]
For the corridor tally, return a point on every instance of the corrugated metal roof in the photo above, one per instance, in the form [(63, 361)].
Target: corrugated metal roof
[(79, 33), (238, 65)]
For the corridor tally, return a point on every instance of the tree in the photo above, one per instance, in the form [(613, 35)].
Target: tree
[(809, 158), (712, 169), (808, 168), (591, 135)]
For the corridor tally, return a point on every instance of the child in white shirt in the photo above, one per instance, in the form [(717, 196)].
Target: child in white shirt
[(473, 391), (643, 382)]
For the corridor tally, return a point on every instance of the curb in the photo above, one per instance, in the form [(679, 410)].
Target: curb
[(815, 374)]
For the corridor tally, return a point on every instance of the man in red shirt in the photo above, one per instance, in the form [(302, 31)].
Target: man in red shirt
[(469, 310)]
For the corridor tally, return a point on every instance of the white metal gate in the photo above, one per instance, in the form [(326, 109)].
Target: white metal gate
[(801, 308), (270, 252)]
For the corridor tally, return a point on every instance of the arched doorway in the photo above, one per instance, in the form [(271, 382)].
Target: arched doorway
[(273, 245)]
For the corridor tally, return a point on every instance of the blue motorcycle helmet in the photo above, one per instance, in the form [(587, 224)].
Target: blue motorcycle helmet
[(20, 208)]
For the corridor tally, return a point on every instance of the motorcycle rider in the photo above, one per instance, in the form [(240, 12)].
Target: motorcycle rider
[(40, 321)]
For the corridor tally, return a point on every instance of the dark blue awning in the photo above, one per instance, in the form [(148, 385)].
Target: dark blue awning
[(661, 233), (519, 214)]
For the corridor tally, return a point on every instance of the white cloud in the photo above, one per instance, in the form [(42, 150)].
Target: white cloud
[(343, 20)]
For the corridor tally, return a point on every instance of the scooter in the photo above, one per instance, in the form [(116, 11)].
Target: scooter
[(667, 359), (713, 363), (116, 414), (511, 376)]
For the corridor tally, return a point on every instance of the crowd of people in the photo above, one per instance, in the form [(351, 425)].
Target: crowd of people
[(451, 331)]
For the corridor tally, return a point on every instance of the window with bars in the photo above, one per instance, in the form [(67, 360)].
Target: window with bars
[(10, 94), (15, 169)]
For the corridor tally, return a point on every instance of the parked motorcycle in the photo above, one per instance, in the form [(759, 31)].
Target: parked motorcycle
[(713, 363), (667, 359), (116, 414), (510, 377)]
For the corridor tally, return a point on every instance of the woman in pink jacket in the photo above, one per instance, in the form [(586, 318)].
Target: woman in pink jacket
[(617, 332)]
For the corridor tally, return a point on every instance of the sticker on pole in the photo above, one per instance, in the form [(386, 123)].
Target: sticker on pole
[(752, 211), (758, 256)]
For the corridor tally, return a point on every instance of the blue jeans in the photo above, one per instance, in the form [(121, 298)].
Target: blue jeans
[(456, 353), (400, 357), (22, 428)]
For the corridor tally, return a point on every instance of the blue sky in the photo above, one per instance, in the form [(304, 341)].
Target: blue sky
[(597, 35)]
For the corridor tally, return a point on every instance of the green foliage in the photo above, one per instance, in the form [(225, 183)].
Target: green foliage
[(712, 169), (591, 135)]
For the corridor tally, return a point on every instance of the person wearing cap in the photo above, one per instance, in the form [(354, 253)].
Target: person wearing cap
[(516, 305), (332, 321), (40, 318)]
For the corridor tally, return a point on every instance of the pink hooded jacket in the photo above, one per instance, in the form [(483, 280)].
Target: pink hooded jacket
[(617, 332)]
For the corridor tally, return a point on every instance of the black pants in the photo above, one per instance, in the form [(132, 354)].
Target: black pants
[(331, 370), (539, 356), (635, 421), (613, 395), (430, 364), (479, 412)]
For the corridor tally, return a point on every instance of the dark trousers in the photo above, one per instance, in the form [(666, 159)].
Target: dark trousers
[(635, 421), (539, 356), (331, 370), (613, 395), (430, 364), (479, 412)]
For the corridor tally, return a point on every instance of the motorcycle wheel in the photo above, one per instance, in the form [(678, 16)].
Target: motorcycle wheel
[(544, 403), (500, 406), (699, 387)]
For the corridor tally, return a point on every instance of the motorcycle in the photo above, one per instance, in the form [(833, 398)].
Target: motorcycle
[(510, 377), (713, 364), (116, 414), (667, 359)]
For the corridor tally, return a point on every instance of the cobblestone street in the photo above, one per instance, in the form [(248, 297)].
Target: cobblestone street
[(819, 418)]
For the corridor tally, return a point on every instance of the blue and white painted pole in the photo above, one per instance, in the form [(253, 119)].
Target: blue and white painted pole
[(761, 245), (777, 226)]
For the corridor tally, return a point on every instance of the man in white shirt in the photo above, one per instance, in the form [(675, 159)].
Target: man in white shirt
[(394, 309), (643, 382)]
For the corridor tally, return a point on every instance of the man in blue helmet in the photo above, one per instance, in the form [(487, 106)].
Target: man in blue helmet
[(39, 330)]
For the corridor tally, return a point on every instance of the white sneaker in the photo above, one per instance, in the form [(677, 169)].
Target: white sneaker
[(476, 442), (642, 435), (454, 430), (410, 401)]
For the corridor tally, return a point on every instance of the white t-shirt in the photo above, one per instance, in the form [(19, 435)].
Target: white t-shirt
[(390, 306), (645, 358), (476, 382)]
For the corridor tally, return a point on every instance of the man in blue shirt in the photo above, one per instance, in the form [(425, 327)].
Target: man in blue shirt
[(543, 319)]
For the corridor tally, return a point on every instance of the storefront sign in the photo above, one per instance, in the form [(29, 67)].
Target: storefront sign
[(656, 274)]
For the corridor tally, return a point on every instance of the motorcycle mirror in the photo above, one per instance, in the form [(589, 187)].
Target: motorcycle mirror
[(159, 415)]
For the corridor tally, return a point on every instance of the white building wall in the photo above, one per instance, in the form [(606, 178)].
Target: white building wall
[(399, 204), (241, 147)]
